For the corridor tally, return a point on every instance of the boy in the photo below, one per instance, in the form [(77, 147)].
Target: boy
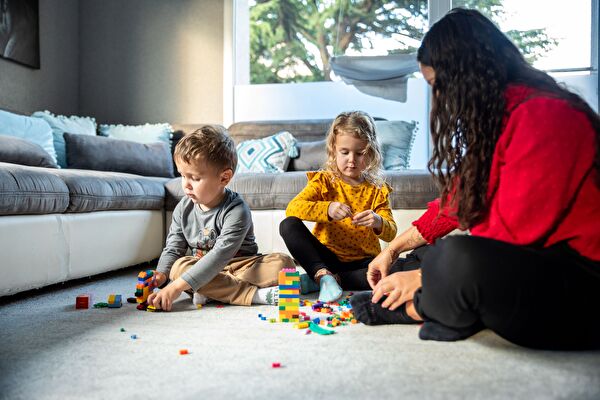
[(215, 223)]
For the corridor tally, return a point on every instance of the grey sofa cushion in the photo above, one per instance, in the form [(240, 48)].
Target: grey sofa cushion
[(412, 189), (101, 191), (20, 151), (105, 154), (311, 156), (31, 190)]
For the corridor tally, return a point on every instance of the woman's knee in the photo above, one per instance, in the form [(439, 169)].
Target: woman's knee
[(289, 225), (454, 260)]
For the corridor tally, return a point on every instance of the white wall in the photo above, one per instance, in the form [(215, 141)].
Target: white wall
[(327, 99)]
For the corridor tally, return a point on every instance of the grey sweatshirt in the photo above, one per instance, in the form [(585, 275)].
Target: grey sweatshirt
[(216, 235)]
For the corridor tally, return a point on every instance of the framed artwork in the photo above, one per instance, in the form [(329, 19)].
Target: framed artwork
[(20, 31)]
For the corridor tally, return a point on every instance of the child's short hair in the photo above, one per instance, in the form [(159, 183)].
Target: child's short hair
[(212, 143), (360, 125)]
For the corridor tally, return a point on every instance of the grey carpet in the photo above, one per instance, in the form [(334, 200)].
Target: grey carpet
[(49, 350)]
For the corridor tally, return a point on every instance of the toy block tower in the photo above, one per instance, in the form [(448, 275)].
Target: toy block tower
[(144, 286), (289, 295)]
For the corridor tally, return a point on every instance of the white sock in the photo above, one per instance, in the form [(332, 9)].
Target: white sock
[(268, 295), (199, 299)]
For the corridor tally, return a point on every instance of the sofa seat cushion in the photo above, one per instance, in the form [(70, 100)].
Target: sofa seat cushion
[(101, 190), (412, 189), (31, 190)]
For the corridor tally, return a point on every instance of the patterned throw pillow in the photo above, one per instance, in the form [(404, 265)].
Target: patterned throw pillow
[(270, 154)]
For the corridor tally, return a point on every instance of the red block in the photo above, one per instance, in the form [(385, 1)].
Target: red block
[(83, 301), (276, 365)]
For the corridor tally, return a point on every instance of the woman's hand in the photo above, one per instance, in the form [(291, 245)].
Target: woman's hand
[(399, 287), (370, 219), (338, 211), (379, 268)]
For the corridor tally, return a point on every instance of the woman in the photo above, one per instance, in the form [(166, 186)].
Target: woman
[(518, 162)]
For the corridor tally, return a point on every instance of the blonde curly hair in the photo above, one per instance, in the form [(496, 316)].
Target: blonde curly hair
[(360, 125)]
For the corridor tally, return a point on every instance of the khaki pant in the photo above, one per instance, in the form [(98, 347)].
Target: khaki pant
[(240, 279)]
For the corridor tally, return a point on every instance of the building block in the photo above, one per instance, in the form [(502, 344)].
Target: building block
[(114, 301), (276, 365), (289, 295), (83, 301), (183, 351), (145, 285)]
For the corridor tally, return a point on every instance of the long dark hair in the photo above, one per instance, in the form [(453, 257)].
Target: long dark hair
[(474, 62)]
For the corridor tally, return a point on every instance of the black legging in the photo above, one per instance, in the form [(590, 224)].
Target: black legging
[(313, 255), (542, 298)]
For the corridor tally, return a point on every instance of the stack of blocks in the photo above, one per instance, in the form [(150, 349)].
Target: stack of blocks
[(289, 295), (114, 301), (144, 286)]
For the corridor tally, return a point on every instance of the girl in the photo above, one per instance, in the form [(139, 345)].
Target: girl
[(517, 158), (348, 200)]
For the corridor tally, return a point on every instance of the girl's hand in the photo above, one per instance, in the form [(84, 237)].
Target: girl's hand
[(368, 218), (379, 268), (338, 211), (399, 287)]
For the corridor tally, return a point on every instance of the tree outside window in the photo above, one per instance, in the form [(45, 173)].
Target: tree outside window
[(294, 40)]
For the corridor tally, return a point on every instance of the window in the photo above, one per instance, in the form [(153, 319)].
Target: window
[(554, 35), (293, 40)]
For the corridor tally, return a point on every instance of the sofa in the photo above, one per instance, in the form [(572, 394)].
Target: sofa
[(62, 224)]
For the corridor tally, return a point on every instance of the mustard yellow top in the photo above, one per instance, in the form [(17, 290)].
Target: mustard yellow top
[(347, 241)]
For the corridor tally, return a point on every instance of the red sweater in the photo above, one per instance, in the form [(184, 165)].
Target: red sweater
[(541, 188)]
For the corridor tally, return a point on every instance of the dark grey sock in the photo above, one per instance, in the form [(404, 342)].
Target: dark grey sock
[(432, 330), (370, 313)]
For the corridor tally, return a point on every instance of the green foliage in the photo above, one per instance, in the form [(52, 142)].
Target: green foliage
[(294, 40)]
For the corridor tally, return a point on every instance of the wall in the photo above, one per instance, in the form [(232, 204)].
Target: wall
[(55, 86), (151, 60)]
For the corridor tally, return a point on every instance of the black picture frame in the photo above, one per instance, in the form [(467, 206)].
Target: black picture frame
[(20, 32)]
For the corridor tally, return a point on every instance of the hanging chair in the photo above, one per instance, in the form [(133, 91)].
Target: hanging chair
[(380, 76)]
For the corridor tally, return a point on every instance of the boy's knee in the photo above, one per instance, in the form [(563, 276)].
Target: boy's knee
[(289, 225), (281, 259), (181, 266)]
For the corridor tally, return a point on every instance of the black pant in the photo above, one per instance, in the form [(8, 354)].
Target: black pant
[(313, 255), (541, 298)]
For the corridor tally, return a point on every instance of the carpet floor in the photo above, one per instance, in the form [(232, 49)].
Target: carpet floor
[(49, 350)]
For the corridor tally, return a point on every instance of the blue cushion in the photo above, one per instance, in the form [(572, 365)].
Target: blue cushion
[(270, 154), (148, 133), (396, 139), (61, 124), (31, 129)]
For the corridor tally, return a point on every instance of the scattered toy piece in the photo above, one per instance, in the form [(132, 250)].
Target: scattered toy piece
[(276, 365), (122, 329), (317, 329), (183, 351), (131, 300), (83, 301), (101, 305), (114, 301), (142, 306), (134, 337)]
